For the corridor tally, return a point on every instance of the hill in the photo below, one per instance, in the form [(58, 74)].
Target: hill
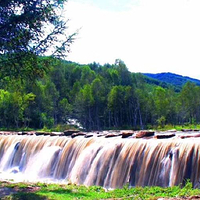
[(173, 79)]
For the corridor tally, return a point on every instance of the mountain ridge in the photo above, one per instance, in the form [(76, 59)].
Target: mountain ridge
[(172, 78)]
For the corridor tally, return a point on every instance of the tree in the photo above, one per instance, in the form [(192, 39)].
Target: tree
[(161, 104), (29, 28), (189, 102), (83, 106), (14, 108), (116, 105), (65, 110), (124, 74), (98, 92)]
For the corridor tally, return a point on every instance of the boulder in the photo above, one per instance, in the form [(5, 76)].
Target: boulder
[(26, 133), (145, 133), (172, 131), (190, 136), (165, 135), (111, 135), (57, 134), (126, 134), (8, 133), (186, 130), (38, 133), (89, 135), (101, 135), (78, 134), (70, 132)]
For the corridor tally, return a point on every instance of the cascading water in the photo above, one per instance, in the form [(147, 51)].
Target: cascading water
[(108, 162)]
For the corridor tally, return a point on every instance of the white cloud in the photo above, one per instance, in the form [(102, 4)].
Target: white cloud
[(152, 36)]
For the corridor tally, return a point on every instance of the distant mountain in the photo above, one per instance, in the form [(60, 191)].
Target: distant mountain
[(172, 79)]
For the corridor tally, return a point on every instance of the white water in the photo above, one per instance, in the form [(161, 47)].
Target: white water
[(108, 162)]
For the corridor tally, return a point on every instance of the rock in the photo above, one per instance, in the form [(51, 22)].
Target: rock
[(89, 135), (8, 133), (190, 136), (186, 130), (38, 133), (78, 134), (172, 130), (126, 134), (145, 133), (26, 133), (101, 134), (165, 135), (70, 132), (15, 170), (109, 135), (57, 134)]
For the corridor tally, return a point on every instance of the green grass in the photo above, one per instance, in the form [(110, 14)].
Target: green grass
[(65, 192), (174, 127)]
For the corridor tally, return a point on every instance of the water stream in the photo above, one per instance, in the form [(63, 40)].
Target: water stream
[(108, 162)]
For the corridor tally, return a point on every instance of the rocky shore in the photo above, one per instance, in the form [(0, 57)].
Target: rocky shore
[(146, 134)]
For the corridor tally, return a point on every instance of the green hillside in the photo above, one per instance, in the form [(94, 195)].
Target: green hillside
[(96, 96), (173, 79)]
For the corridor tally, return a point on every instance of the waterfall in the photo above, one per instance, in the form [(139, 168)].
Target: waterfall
[(108, 162)]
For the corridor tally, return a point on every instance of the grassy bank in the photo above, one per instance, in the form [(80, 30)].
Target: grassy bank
[(41, 191)]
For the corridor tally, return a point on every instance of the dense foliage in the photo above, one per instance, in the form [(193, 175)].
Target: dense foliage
[(29, 28), (99, 97)]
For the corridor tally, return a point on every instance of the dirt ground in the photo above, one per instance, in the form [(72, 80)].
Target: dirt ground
[(4, 191)]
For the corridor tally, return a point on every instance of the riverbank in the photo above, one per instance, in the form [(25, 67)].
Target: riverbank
[(42, 191)]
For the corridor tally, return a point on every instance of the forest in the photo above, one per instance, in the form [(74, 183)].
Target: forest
[(47, 92), (96, 96)]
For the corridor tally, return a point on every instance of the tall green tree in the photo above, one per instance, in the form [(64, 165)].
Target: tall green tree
[(116, 106), (99, 95), (124, 74), (161, 104), (84, 107), (189, 103), (29, 28)]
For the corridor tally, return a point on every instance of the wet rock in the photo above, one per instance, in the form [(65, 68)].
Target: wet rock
[(172, 130), (8, 133), (190, 136), (78, 134), (88, 135), (57, 134), (101, 135), (70, 132), (109, 135), (15, 170), (26, 133), (186, 130), (145, 133), (38, 133), (126, 134), (165, 135)]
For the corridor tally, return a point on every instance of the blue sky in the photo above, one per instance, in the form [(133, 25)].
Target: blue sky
[(148, 35)]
